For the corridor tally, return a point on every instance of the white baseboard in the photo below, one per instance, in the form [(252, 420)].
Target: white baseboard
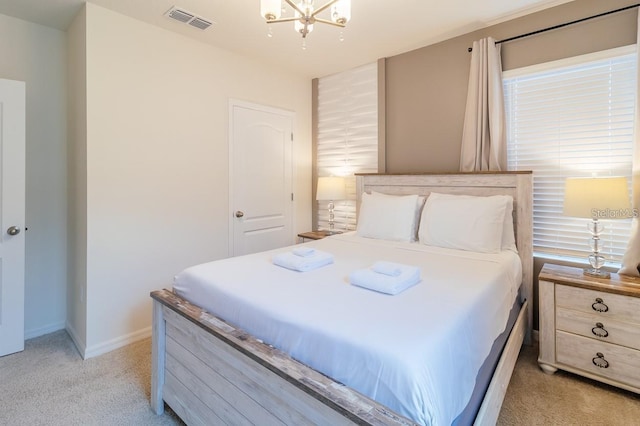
[(41, 331), (80, 345), (102, 348), (116, 343)]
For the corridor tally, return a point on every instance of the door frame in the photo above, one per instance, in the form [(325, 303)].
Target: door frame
[(230, 208)]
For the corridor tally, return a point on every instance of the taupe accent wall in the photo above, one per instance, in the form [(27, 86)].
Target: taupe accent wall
[(426, 88)]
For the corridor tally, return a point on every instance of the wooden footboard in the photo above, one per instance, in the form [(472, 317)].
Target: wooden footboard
[(211, 373)]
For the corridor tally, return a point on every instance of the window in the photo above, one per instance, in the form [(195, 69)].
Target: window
[(572, 118), (347, 141)]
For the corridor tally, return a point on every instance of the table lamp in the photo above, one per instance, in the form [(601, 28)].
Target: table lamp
[(330, 189), (597, 198)]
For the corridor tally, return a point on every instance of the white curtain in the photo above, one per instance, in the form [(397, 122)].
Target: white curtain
[(631, 259), (484, 144)]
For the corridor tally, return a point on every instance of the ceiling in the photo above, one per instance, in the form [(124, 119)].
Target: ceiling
[(377, 28)]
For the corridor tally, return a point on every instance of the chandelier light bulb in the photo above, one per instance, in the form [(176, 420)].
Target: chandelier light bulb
[(304, 23), (270, 9), (341, 12)]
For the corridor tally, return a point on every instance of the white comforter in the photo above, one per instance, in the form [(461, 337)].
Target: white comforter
[(417, 352)]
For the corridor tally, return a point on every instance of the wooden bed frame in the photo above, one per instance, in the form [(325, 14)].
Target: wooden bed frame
[(209, 372)]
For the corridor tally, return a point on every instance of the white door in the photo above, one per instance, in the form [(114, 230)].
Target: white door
[(261, 197), (12, 198)]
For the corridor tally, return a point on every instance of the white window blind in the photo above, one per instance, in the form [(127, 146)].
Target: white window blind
[(347, 135), (572, 118)]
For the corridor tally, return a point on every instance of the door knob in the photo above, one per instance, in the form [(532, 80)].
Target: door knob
[(239, 213), (13, 230)]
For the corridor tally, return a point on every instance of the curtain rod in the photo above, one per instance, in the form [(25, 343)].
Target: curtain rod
[(555, 27)]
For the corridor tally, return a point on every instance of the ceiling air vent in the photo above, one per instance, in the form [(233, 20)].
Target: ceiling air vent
[(199, 23), (189, 18), (179, 15)]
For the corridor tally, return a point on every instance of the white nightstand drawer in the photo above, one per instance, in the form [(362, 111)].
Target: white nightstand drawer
[(599, 358), (595, 327), (605, 305)]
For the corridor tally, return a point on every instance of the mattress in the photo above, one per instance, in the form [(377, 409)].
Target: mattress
[(485, 374), (417, 352)]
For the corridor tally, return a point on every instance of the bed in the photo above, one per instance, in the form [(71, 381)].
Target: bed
[(211, 371)]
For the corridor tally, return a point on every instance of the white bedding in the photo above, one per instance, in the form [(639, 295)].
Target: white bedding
[(417, 352)]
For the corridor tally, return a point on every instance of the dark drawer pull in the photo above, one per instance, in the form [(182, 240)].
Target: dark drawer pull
[(599, 361), (599, 305), (599, 330)]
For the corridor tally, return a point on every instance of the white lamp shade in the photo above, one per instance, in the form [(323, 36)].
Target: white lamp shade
[(331, 188), (270, 9), (597, 198), (341, 11)]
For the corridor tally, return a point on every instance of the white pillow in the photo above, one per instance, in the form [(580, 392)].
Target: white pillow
[(419, 205), (387, 217), (464, 222)]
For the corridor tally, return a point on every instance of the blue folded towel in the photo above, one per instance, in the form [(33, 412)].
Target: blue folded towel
[(306, 263), (386, 283)]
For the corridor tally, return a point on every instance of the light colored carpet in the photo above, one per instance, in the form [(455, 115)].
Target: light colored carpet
[(49, 384), (536, 398)]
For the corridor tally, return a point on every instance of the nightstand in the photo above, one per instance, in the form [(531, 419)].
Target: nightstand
[(590, 326), (315, 235)]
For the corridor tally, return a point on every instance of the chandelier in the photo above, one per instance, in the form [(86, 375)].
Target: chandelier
[(305, 14)]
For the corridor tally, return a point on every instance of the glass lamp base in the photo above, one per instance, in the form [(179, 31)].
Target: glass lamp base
[(597, 273), (596, 260)]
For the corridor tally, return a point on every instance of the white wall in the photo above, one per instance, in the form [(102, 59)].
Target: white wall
[(37, 55), (157, 162)]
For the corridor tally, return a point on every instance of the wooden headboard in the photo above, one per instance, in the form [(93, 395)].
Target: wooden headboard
[(518, 185)]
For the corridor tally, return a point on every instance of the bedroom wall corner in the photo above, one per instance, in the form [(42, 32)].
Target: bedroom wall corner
[(36, 55), (382, 115), (314, 151), (157, 171), (77, 181)]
